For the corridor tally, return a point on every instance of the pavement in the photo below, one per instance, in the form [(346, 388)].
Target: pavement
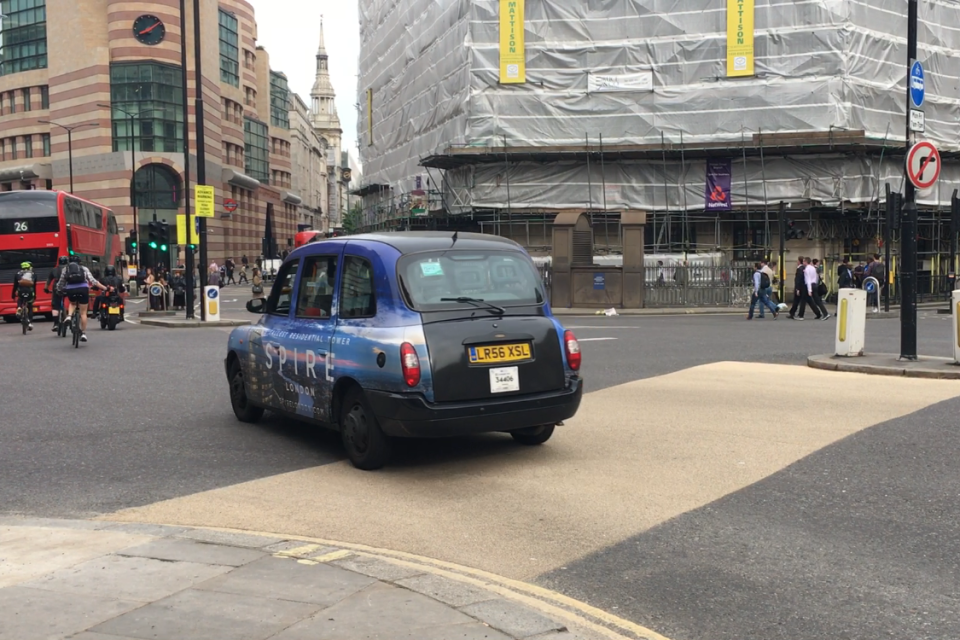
[(101, 581), (888, 364)]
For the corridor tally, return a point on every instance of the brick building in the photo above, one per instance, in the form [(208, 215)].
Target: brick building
[(113, 76)]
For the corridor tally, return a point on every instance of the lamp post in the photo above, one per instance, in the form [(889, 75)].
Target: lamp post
[(69, 129), (908, 220)]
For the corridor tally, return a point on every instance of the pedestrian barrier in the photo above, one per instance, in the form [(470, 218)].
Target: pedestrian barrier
[(871, 286), (956, 326), (851, 322)]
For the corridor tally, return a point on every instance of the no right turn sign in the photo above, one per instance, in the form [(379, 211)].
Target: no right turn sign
[(923, 165)]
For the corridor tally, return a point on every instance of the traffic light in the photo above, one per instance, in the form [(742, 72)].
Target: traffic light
[(130, 243), (894, 206), (153, 235), (164, 236), (954, 214)]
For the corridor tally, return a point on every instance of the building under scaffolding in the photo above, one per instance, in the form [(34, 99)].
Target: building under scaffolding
[(631, 104)]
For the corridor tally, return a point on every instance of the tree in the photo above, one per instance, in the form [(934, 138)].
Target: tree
[(353, 219)]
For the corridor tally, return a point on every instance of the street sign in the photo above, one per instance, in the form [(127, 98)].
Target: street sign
[(923, 165), (916, 84), (230, 205), (204, 197), (182, 231), (917, 121)]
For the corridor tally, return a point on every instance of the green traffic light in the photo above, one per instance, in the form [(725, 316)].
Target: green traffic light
[(153, 245), (163, 247), (192, 247), (133, 244)]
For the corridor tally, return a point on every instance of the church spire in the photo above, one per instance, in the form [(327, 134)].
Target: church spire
[(322, 51), (323, 97)]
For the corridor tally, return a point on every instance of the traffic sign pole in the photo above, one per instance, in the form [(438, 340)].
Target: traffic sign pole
[(908, 218)]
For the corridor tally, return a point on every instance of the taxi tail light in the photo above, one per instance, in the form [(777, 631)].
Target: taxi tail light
[(410, 363), (572, 347)]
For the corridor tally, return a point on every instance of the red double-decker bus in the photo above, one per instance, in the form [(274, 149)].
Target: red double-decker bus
[(39, 227)]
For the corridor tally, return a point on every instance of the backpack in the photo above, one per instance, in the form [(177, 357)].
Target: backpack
[(879, 271), (26, 279), (764, 280), (75, 274)]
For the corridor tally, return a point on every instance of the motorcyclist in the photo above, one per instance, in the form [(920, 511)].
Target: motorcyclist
[(25, 290), (111, 280), (57, 300)]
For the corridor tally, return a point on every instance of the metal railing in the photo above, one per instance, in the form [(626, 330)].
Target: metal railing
[(698, 286)]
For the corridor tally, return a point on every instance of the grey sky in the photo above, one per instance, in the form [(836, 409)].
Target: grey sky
[(290, 31)]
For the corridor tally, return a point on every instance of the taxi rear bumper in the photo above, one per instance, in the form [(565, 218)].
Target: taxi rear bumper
[(410, 415)]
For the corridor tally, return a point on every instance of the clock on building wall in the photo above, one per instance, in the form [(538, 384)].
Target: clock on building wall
[(149, 30)]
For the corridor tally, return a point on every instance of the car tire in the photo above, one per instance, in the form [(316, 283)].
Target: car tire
[(11, 319), (242, 407), (367, 446), (534, 435), (112, 323)]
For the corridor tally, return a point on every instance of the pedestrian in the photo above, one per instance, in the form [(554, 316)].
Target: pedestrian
[(799, 286), (179, 284), (244, 260), (761, 283), (820, 290), (858, 276), (878, 270), (230, 267), (766, 267), (213, 276), (257, 288), (810, 281), (260, 262), (845, 275), (243, 275)]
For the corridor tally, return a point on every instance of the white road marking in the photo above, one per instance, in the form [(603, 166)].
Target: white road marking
[(593, 339)]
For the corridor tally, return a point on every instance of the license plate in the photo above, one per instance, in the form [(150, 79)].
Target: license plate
[(499, 353), (114, 311), (504, 379)]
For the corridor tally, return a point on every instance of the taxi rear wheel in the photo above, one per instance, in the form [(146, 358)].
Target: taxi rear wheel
[(367, 446), (534, 435), (242, 408)]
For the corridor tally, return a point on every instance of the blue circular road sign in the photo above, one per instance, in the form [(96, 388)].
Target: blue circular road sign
[(916, 84)]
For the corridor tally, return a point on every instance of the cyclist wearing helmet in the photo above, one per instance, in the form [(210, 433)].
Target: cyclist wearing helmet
[(25, 291), (76, 282), (112, 281), (57, 301)]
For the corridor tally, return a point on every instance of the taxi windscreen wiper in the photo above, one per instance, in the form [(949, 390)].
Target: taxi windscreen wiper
[(477, 301)]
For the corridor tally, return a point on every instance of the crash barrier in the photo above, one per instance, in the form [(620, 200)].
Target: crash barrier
[(955, 304), (872, 287), (851, 322)]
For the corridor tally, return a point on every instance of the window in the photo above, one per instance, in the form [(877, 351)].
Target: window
[(28, 146), (229, 49), (13, 147), (24, 44), (13, 101), (279, 302), (158, 187), (257, 149), (44, 97), (152, 92), (433, 280), (315, 299), (45, 141), (356, 289), (279, 101), (26, 100)]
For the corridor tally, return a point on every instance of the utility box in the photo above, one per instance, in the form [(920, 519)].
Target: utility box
[(955, 303), (851, 322)]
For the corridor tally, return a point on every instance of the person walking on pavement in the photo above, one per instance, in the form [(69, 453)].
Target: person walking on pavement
[(810, 281), (845, 275), (761, 282), (878, 270), (820, 290), (257, 288), (213, 276), (243, 274), (799, 289), (767, 269), (230, 266)]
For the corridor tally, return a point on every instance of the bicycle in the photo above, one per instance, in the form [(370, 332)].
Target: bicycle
[(25, 313), (75, 326)]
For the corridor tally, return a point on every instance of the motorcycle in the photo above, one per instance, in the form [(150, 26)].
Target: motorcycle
[(111, 310)]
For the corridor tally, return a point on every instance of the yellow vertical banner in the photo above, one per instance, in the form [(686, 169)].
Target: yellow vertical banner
[(740, 21), (513, 59), (182, 231)]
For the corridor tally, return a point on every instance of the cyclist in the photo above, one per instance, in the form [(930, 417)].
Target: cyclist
[(57, 300), (25, 291), (111, 280), (75, 283)]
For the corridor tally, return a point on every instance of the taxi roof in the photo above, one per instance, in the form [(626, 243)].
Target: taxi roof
[(415, 241)]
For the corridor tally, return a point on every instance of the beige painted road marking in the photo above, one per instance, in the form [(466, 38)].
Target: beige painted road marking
[(635, 456)]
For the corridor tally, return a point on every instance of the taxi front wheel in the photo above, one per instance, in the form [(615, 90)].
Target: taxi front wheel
[(367, 446), (534, 435)]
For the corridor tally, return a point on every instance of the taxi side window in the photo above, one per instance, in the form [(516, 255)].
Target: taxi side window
[(315, 299), (357, 299), (279, 302)]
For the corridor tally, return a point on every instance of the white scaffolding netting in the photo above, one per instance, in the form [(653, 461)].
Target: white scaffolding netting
[(821, 66)]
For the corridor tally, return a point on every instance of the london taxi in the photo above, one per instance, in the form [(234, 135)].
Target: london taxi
[(407, 334)]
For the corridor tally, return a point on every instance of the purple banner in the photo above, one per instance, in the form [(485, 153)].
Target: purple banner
[(717, 196)]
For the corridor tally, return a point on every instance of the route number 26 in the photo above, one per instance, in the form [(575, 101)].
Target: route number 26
[(20, 227)]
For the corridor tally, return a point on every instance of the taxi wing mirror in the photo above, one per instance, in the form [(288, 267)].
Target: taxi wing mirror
[(256, 305)]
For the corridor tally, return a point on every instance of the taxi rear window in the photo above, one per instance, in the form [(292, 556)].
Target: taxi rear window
[(434, 280)]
